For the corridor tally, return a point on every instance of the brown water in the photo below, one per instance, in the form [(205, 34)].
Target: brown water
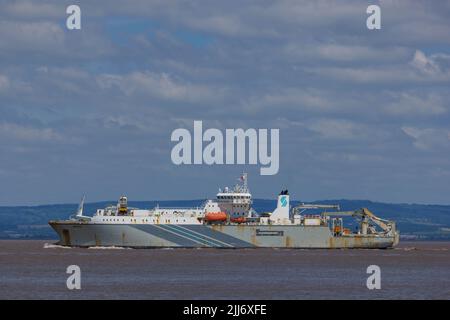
[(33, 270)]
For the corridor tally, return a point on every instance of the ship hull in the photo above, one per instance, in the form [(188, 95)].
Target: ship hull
[(85, 234)]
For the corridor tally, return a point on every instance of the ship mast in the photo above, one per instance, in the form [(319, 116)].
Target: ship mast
[(244, 179)]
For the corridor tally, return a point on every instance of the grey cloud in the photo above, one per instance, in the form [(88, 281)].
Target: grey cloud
[(345, 53), (16, 35), (33, 10), (400, 73), (4, 83)]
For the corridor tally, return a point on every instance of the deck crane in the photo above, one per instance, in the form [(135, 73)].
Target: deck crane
[(299, 209), (368, 220)]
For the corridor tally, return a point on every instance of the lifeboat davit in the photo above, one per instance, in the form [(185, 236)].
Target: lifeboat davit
[(216, 216), (238, 220)]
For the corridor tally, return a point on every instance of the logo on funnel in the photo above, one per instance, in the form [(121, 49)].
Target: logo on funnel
[(283, 201)]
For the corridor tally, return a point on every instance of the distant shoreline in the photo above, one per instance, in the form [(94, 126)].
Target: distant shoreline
[(415, 222), (102, 202)]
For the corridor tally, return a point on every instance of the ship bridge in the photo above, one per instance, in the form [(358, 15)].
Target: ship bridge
[(236, 201)]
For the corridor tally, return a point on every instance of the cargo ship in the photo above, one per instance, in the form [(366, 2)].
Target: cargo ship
[(229, 221)]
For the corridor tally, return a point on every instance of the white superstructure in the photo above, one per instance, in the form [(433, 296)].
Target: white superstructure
[(232, 205), (237, 201), (152, 216)]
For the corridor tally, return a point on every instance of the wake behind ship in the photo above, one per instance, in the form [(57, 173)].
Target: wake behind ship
[(229, 221)]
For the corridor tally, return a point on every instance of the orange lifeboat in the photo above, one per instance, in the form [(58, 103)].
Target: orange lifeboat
[(216, 216), (238, 220)]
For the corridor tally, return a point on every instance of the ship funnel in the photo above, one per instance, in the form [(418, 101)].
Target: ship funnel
[(281, 213)]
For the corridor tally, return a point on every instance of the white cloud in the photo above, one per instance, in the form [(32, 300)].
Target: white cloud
[(410, 104), (424, 64), (27, 133), (4, 83), (337, 129), (428, 138), (159, 85), (417, 72), (344, 52), (364, 74), (291, 99)]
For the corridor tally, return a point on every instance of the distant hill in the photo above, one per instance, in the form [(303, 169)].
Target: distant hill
[(415, 221)]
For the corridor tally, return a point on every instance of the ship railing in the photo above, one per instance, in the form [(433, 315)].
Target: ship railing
[(179, 208)]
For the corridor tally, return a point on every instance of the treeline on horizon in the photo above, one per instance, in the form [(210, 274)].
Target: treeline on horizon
[(415, 221)]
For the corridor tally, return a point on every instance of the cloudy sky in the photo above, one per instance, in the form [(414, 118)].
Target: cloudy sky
[(362, 114)]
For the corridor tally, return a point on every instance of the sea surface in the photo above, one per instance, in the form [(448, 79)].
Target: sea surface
[(35, 269)]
